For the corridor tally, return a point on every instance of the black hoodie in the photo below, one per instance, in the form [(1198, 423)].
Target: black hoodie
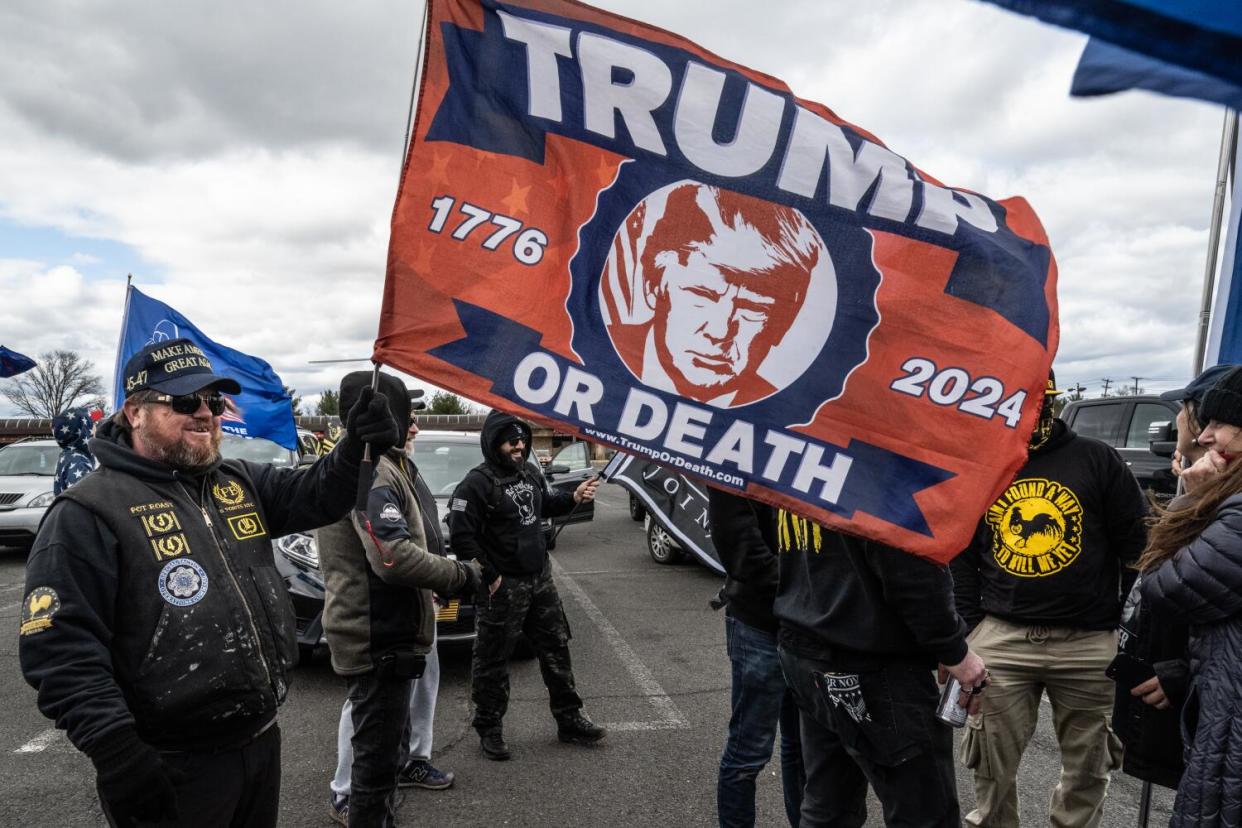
[(494, 515), (1054, 549), (153, 602)]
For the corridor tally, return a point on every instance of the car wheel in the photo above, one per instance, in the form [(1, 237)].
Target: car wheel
[(637, 510), (661, 546)]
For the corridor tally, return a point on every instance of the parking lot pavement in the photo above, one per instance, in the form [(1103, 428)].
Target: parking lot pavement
[(650, 663)]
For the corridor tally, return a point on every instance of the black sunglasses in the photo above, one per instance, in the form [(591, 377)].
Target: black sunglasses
[(189, 403)]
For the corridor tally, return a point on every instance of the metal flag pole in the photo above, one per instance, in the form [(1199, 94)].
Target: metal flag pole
[(117, 379), (367, 466), (1228, 152)]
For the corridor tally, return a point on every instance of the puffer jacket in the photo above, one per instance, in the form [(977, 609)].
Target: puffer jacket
[(72, 429), (1202, 586)]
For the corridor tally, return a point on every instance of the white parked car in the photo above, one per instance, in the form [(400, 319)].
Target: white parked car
[(27, 469)]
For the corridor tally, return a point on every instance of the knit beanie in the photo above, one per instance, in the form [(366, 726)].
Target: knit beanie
[(1223, 402)]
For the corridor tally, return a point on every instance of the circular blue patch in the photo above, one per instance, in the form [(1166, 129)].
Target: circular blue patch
[(183, 582)]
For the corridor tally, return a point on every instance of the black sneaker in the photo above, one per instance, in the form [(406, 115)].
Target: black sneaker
[(420, 773), (579, 729), (493, 744)]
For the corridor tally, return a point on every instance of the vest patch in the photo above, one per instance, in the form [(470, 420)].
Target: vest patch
[(144, 508), (37, 610), (160, 523), (170, 546), (183, 583), (246, 526)]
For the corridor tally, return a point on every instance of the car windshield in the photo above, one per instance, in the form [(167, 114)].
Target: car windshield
[(33, 460), (443, 464), (255, 449)]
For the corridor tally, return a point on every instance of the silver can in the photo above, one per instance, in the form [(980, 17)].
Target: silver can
[(949, 711)]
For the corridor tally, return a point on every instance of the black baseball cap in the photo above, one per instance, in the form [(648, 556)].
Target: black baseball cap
[(175, 367), (1199, 386)]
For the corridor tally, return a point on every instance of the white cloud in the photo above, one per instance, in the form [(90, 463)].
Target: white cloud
[(250, 154)]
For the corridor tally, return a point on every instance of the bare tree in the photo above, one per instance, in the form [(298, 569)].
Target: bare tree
[(59, 381)]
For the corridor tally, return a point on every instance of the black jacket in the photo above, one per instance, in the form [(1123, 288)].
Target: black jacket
[(1152, 737), (153, 602), (495, 512), (1202, 586), (858, 604), (1054, 549), (744, 534)]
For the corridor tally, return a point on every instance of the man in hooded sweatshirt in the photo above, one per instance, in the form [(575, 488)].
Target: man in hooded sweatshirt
[(1042, 584), (72, 429), (494, 517)]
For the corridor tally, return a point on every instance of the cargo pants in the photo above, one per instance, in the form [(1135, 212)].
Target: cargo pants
[(522, 604), (1025, 662)]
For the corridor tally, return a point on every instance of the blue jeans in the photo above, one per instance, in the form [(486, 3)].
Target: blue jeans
[(760, 700)]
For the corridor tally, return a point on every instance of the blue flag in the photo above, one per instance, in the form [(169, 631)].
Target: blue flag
[(12, 363), (266, 410), (1105, 68), (1203, 35), (1224, 343)]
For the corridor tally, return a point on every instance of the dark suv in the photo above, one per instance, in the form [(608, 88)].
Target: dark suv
[(1142, 429)]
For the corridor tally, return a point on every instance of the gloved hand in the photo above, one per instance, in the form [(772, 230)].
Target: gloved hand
[(474, 579), (134, 781), (370, 421)]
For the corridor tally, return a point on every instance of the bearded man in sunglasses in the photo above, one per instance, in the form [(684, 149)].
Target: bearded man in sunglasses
[(154, 625)]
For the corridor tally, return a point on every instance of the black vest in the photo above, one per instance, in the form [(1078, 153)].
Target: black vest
[(203, 631)]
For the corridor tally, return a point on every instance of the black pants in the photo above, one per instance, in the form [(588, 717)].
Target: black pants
[(237, 788), (381, 710), (876, 726), (523, 604)]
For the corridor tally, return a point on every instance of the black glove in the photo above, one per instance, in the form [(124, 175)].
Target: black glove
[(133, 780), (370, 421), (474, 580)]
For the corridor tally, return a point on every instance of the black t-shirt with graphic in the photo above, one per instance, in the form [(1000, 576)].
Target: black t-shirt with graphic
[(1055, 547)]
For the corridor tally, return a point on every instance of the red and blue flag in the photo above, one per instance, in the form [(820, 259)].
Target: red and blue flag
[(604, 227)]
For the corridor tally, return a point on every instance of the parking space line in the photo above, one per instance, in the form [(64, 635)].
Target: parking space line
[(669, 717), (41, 742)]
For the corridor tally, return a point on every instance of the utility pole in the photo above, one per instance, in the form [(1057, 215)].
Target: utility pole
[(1076, 391), (1107, 382), (1136, 382)]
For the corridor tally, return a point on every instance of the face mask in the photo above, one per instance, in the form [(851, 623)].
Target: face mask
[(1043, 429)]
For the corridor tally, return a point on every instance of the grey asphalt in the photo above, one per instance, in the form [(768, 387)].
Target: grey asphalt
[(650, 662)]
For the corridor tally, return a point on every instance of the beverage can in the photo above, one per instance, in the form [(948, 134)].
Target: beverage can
[(949, 711)]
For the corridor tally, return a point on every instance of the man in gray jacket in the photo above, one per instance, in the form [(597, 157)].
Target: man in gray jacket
[(379, 572)]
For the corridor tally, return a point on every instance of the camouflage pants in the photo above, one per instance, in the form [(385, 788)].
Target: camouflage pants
[(523, 604)]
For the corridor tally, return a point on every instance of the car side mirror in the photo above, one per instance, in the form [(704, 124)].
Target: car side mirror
[(557, 469), (1162, 439)]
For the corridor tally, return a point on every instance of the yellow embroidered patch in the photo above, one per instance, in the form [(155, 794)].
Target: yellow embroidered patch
[(160, 523), (247, 526), (37, 610), (170, 546)]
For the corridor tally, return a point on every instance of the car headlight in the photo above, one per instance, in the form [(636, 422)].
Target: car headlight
[(299, 548), (42, 501)]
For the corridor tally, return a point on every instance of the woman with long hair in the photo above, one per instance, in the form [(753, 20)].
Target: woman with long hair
[(1192, 574)]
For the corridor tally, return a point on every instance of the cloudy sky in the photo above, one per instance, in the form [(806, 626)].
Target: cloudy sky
[(241, 161)]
